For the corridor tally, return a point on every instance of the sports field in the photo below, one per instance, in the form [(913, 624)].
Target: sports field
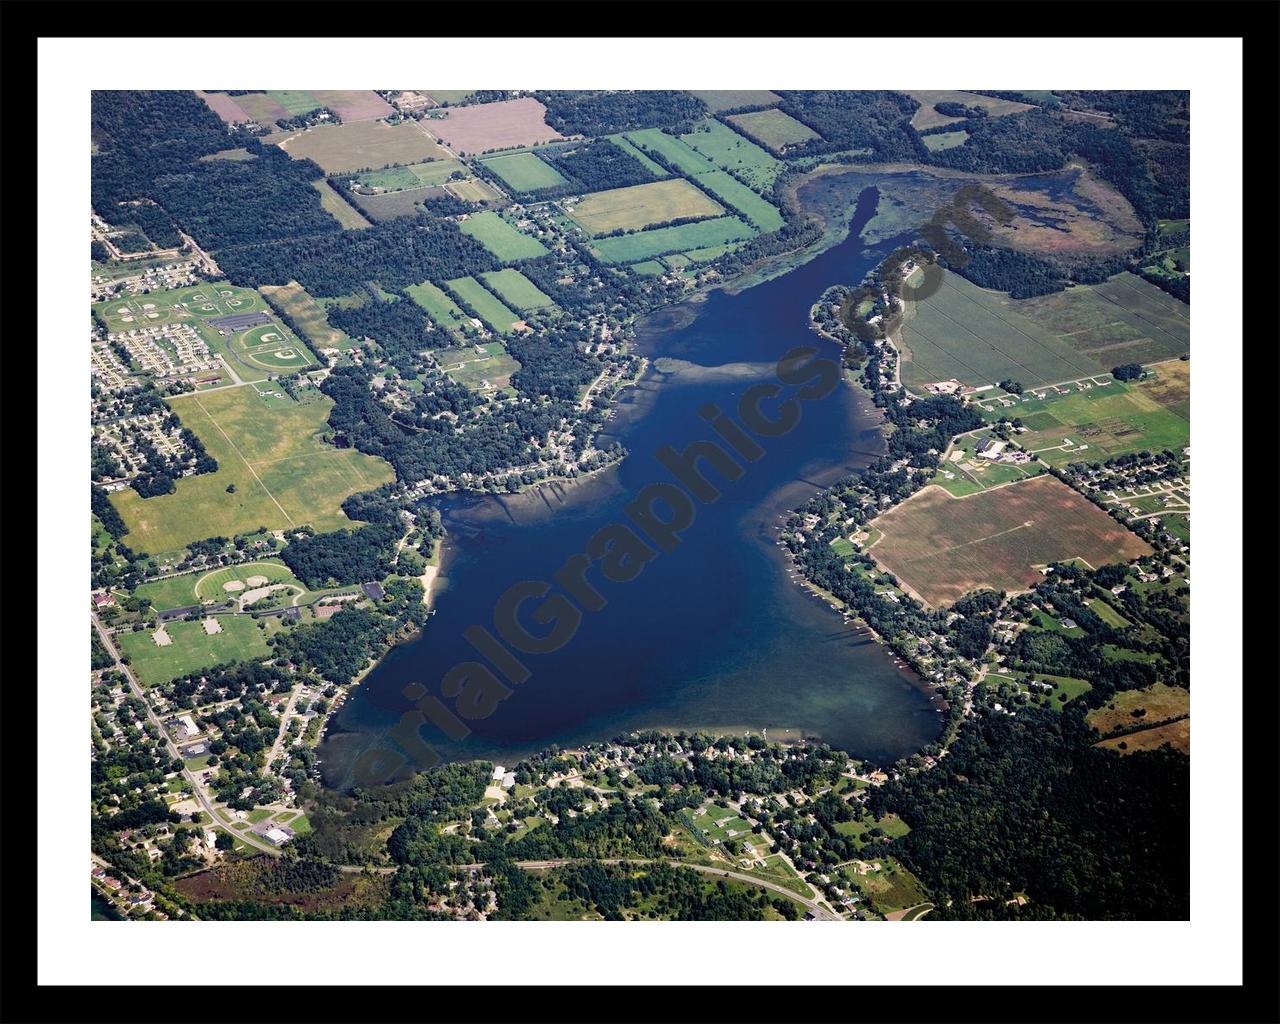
[(773, 129), (349, 147), (283, 475), (481, 367), (444, 312), (191, 648), (643, 245), (1094, 424), (488, 306), (524, 172), (271, 348), (733, 152), (393, 179), (175, 305), (734, 99), (969, 334), (500, 238), (308, 314), (941, 548), (1123, 320), (216, 585), (638, 206), (503, 125), (516, 290), (927, 117)]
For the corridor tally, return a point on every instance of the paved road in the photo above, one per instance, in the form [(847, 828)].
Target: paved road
[(196, 786)]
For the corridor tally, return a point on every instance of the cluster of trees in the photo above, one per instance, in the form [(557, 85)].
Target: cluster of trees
[(668, 892), (872, 120), (343, 556), (308, 118), (158, 472), (1129, 371), (400, 327), (606, 113), (338, 649), (153, 222), (106, 512), (396, 253), (598, 165)]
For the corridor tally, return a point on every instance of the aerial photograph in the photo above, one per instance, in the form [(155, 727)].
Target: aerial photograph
[(638, 505)]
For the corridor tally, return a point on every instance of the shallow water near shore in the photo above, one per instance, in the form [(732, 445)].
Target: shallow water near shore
[(713, 634)]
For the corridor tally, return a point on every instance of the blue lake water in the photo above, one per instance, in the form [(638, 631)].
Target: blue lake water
[(714, 634)]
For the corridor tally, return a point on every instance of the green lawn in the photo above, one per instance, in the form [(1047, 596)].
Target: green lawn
[(258, 814), (175, 592), (500, 238), (192, 648), (944, 140), (524, 172), (516, 289), (649, 268), (842, 547), (1107, 614), (487, 306)]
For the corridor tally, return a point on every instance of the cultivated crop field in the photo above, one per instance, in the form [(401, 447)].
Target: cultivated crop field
[(487, 305), (349, 147), (643, 245), (1123, 320), (1093, 425), (773, 129), (728, 189), (927, 117), (191, 648), (506, 124), (500, 238), (941, 548), (308, 314), (966, 333), (638, 206), (283, 475), (524, 172), (517, 290)]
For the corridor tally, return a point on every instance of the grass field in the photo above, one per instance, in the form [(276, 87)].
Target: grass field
[(728, 189), (944, 140), (525, 172), (480, 367), (500, 238), (1153, 704), (337, 207), (773, 129), (627, 146), (308, 314), (516, 290), (211, 586), (404, 203), (966, 333), (735, 99), (394, 179), (444, 312), (643, 245), (1174, 734), (346, 148), (672, 150), (649, 268), (488, 306), (941, 548), (1107, 614), (283, 475), (473, 190), (268, 107), (639, 206), (727, 149), (192, 648), (1095, 424), (1123, 320), (927, 117), (891, 888), (270, 348), (177, 305)]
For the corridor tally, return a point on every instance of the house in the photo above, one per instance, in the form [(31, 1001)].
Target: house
[(104, 600), (508, 780), (498, 772), (1068, 623)]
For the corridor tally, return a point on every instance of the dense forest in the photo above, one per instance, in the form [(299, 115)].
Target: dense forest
[(874, 121), (343, 556), (599, 164), (604, 113), (400, 328)]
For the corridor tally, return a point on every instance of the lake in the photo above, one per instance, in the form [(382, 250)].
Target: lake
[(714, 634)]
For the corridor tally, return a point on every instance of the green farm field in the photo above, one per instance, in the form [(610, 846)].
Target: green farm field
[(1105, 420), (644, 245), (517, 290), (308, 314), (500, 238), (941, 548), (524, 172), (729, 190), (639, 206), (192, 648), (629, 147), (488, 306), (394, 179), (967, 333), (338, 208), (672, 150), (1123, 320), (443, 311), (283, 475), (733, 152), (773, 129)]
